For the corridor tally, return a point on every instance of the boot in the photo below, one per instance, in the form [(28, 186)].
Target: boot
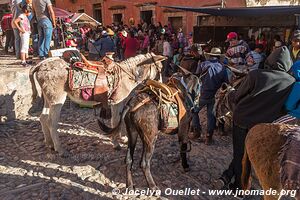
[(208, 140)]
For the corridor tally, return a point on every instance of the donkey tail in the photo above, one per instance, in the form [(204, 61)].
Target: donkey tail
[(33, 85), (112, 131), (246, 171)]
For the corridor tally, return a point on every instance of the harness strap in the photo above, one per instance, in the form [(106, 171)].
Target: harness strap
[(143, 102)]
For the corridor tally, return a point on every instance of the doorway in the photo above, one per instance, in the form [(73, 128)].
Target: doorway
[(146, 16), (176, 23)]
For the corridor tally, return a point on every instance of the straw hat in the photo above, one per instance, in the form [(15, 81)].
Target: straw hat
[(215, 52), (110, 32)]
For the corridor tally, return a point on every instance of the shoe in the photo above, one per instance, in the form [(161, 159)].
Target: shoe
[(196, 133), (30, 62), (233, 188), (221, 183), (24, 64)]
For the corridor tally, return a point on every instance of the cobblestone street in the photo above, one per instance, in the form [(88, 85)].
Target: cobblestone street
[(30, 171)]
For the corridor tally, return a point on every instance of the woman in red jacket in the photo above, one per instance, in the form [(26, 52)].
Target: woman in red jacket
[(131, 45)]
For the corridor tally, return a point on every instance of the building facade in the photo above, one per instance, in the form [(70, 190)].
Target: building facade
[(109, 11)]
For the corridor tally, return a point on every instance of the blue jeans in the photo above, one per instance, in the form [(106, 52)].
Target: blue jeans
[(45, 30), (17, 43), (211, 120)]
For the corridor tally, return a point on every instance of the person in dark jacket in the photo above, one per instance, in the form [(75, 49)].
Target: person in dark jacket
[(106, 44), (259, 99), (212, 75)]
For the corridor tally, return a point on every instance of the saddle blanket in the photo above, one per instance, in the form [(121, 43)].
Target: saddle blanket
[(80, 79), (289, 155), (169, 117)]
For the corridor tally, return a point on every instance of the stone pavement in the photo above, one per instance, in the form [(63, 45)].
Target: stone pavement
[(28, 170)]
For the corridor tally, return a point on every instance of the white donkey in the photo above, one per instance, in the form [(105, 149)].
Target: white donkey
[(52, 77)]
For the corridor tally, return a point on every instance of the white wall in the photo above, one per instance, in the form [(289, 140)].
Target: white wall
[(251, 3)]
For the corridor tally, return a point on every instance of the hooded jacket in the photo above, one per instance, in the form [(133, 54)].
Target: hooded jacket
[(261, 96), (293, 102)]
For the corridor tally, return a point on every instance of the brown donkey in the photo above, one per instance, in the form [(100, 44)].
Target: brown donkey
[(263, 145), (142, 117), (52, 77)]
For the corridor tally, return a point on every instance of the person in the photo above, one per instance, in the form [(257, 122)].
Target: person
[(23, 25), (145, 43), (16, 11), (167, 52), (236, 51), (106, 44), (212, 74), (6, 26), (131, 45), (254, 57), (159, 45), (295, 47), (92, 46), (190, 61), (262, 40), (277, 45), (292, 103), (259, 99), (46, 22)]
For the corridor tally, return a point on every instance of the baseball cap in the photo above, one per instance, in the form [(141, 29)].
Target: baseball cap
[(231, 35)]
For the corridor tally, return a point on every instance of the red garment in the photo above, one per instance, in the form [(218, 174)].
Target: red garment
[(263, 42), (6, 22), (131, 46)]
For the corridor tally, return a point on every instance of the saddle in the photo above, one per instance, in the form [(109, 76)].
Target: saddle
[(90, 77), (171, 106)]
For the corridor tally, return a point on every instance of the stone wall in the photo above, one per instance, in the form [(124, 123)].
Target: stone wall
[(15, 93)]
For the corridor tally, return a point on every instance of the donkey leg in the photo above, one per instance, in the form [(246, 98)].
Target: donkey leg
[(54, 118), (148, 149), (132, 139), (44, 120), (183, 130)]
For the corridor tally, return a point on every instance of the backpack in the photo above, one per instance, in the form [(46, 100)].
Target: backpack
[(6, 22)]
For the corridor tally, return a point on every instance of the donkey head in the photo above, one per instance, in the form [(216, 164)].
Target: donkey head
[(224, 104)]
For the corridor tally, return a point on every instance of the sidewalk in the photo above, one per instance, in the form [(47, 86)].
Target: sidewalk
[(15, 88)]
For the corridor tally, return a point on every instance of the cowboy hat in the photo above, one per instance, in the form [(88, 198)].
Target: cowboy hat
[(124, 33), (110, 32), (215, 52)]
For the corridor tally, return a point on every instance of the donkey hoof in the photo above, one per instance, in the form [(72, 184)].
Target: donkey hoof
[(186, 169)]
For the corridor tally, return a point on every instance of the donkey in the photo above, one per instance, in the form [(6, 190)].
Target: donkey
[(265, 146), (142, 117), (52, 77), (225, 100)]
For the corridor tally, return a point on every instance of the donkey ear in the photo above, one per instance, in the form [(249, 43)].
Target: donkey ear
[(159, 58), (153, 58)]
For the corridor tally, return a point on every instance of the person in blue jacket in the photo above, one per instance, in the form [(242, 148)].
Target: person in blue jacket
[(292, 104)]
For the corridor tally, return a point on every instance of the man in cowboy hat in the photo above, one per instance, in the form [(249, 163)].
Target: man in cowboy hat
[(212, 74), (295, 48)]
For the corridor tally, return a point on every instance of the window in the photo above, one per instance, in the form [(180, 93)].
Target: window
[(81, 11), (146, 16), (97, 12), (117, 18)]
